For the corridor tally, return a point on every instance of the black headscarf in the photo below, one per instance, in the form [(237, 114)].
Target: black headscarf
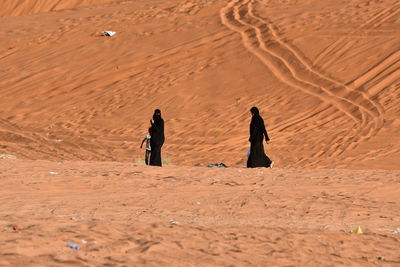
[(255, 111)]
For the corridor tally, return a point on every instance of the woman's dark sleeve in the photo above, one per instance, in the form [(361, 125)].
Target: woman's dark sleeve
[(265, 132)]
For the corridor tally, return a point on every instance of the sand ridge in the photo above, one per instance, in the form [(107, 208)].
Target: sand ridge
[(75, 106), (23, 7), (194, 60), (328, 95)]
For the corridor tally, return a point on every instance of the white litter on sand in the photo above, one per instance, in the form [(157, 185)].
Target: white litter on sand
[(397, 231)]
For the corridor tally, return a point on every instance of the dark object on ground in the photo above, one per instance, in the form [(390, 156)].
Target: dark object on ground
[(219, 165), (108, 33)]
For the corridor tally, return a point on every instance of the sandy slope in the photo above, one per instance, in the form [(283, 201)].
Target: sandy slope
[(324, 74), (125, 214), (25, 7)]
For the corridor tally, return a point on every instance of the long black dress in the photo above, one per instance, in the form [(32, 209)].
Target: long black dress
[(257, 157), (157, 140)]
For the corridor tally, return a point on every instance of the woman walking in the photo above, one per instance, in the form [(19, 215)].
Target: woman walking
[(257, 157)]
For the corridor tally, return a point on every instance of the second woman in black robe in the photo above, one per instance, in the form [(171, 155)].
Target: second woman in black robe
[(257, 156), (157, 138)]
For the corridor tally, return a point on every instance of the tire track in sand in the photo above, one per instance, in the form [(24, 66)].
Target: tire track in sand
[(380, 76), (361, 98), (329, 54), (279, 73), (321, 112), (259, 38)]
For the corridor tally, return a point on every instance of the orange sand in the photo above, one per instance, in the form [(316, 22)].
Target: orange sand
[(325, 75), (125, 214)]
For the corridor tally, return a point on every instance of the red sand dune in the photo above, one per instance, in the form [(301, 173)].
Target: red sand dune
[(25, 7), (325, 75)]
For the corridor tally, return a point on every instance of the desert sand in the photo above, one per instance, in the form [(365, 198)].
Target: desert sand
[(75, 106)]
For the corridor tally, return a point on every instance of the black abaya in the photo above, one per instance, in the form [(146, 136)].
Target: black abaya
[(257, 157), (155, 156), (157, 140)]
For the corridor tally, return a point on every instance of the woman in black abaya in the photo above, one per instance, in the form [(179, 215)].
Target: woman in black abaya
[(157, 138), (257, 157)]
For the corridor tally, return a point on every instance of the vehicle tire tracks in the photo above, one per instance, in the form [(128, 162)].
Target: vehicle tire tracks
[(261, 40), (339, 46)]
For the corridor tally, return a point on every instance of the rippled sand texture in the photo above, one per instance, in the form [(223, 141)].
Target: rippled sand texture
[(124, 214), (325, 75), (28, 7), (75, 106)]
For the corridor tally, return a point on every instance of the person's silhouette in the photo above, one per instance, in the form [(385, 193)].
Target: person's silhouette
[(257, 157), (157, 138)]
